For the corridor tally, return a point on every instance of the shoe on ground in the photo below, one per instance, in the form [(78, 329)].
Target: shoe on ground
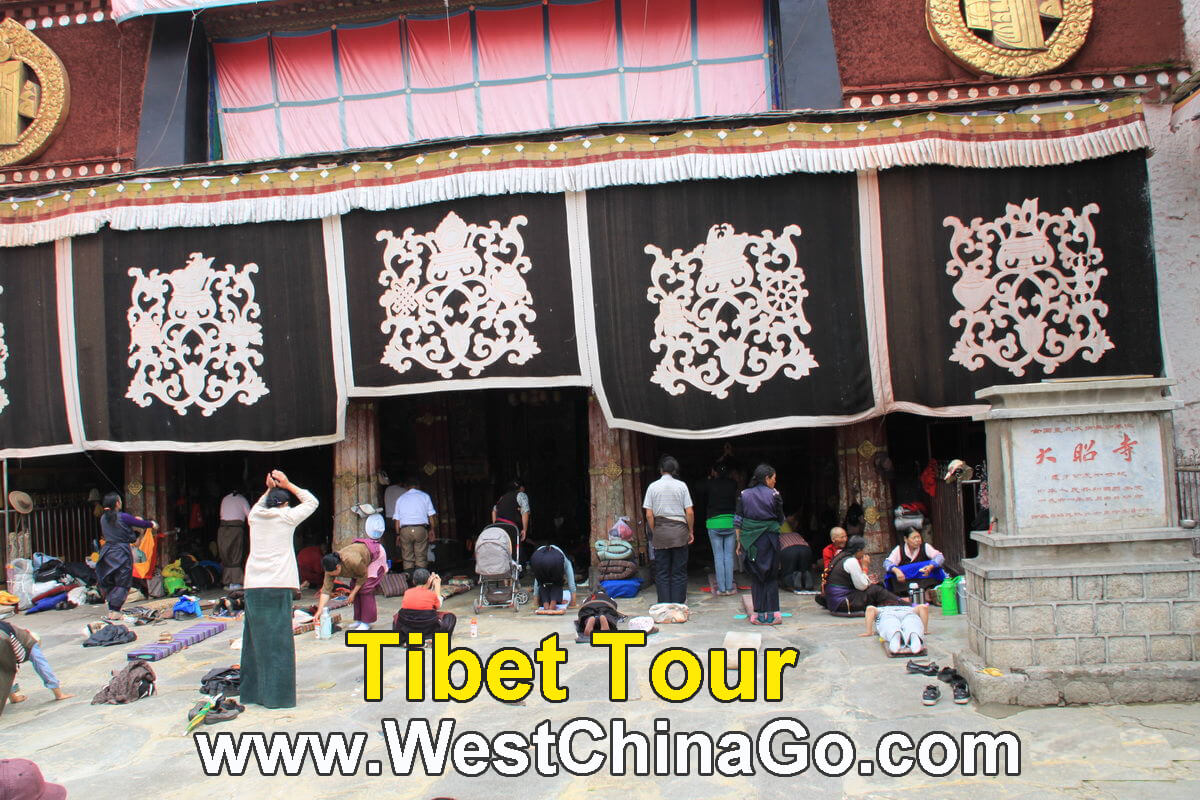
[(358, 626), (962, 692), (949, 675), (931, 695), (914, 668)]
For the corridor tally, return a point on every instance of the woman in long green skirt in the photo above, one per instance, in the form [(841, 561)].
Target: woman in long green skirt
[(268, 648)]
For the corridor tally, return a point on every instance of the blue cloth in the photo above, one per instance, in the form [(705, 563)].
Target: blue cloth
[(625, 588), (723, 541), (48, 602), (186, 605), (912, 572)]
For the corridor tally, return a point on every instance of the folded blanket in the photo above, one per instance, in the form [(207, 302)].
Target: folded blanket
[(616, 570)]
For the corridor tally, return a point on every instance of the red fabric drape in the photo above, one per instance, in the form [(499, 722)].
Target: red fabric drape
[(489, 70)]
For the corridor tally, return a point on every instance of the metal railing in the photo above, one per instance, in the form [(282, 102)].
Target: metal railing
[(1187, 491), (63, 529)]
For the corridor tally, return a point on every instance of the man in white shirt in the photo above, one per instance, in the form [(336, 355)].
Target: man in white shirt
[(390, 495), (231, 538), (413, 517), (670, 518)]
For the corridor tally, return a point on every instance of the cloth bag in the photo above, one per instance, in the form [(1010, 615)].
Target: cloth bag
[(665, 613)]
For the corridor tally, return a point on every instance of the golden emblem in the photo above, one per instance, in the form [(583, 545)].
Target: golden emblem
[(867, 448), (1009, 38), (429, 468), (34, 94), (134, 487)]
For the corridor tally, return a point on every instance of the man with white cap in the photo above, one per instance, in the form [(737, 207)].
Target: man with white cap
[(364, 562)]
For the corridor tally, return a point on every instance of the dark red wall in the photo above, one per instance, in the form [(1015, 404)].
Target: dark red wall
[(885, 42), (106, 65)]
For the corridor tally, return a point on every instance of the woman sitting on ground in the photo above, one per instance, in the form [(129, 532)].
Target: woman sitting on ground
[(420, 608), (914, 561), (598, 613), (848, 588)]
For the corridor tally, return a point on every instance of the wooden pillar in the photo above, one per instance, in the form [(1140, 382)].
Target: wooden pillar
[(432, 435), (147, 476), (616, 487), (355, 467), (861, 481)]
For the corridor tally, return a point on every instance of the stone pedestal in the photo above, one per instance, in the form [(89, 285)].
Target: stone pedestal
[(1085, 589)]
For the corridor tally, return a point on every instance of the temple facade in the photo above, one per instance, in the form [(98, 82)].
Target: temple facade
[(554, 240)]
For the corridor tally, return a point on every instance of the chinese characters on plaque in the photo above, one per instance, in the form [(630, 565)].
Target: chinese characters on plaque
[(1080, 472)]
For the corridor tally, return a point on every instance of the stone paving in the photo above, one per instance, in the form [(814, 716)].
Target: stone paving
[(843, 682)]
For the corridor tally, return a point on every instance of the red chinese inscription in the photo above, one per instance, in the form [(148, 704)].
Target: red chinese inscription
[(1125, 448), (1085, 451), (1044, 455)]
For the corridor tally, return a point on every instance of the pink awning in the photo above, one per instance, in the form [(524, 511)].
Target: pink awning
[(486, 70)]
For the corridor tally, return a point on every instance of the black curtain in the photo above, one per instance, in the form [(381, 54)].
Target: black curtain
[(477, 245), (623, 222), (35, 415), (275, 351), (920, 295)]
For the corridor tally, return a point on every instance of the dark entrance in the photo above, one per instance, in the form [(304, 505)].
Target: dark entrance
[(465, 446), (804, 459), (200, 480)]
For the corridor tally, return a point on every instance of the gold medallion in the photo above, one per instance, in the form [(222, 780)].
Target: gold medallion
[(1009, 38), (34, 94)]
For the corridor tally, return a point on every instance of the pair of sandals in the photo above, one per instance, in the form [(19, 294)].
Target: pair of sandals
[(767, 618), (224, 711)]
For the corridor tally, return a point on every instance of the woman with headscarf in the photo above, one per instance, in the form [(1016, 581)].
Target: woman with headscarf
[(268, 647), (849, 589), (756, 521), (114, 569)]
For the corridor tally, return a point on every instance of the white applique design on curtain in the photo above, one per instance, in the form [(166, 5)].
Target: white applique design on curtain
[(455, 298), (1027, 285), (731, 311), (3, 365), (194, 337)]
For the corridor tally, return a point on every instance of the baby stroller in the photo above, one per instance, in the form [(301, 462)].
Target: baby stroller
[(498, 570)]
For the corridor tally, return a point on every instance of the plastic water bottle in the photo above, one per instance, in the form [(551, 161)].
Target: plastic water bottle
[(474, 628), (324, 625), (914, 593)]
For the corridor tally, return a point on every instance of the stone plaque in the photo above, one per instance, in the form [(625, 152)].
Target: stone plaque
[(1088, 472)]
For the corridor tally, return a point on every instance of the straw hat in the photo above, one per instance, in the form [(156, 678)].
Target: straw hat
[(21, 501)]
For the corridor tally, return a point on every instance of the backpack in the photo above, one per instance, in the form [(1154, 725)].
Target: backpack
[(51, 569), (222, 680), (203, 577)]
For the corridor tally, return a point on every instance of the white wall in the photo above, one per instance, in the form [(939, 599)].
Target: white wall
[(1175, 195)]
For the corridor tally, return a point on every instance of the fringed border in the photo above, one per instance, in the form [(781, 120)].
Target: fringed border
[(994, 141)]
